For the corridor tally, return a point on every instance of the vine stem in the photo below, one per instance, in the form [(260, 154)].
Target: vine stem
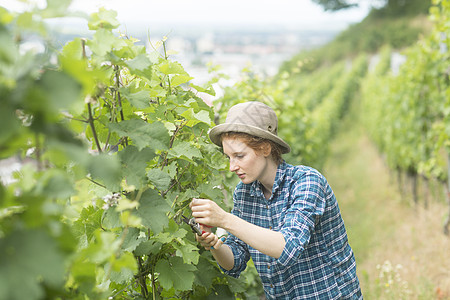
[(172, 140), (166, 57), (139, 195), (153, 285), (95, 182), (118, 96), (94, 132), (175, 181), (141, 279), (38, 153), (119, 99), (447, 194)]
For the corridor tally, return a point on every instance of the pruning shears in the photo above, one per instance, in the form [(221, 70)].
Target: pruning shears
[(194, 225)]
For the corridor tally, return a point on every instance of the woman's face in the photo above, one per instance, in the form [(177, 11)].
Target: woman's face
[(248, 164)]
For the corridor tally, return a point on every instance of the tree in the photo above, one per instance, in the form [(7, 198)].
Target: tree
[(390, 6), (334, 5)]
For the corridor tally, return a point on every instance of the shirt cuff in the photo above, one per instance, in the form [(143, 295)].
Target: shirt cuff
[(293, 248), (239, 263)]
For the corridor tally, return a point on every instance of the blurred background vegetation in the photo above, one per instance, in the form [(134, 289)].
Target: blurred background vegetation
[(399, 246), (398, 23)]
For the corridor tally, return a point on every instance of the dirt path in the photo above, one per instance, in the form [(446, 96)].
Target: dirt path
[(400, 249)]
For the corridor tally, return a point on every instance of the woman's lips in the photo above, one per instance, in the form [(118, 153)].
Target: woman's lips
[(241, 175)]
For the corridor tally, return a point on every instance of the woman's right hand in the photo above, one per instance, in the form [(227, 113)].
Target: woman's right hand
[(208, 239)]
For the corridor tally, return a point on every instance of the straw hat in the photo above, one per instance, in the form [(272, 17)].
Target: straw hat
[(254, 118)]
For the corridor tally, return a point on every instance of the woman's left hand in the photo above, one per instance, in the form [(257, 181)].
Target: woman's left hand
[(207, 212)]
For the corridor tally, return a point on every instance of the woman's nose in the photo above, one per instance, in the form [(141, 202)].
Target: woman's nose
[(233, 166)]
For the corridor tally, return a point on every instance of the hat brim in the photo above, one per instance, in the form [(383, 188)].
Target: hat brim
[(216, 131)]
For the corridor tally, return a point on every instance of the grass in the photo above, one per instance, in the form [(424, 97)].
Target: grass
[(400, 249)]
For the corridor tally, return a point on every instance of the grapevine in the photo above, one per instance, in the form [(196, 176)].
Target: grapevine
[(120, 142), (408, 113)]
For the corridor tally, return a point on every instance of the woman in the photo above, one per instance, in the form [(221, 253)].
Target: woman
[(286, 218)]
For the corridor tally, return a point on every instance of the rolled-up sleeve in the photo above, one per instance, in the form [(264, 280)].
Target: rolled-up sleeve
[(240, 254), (307, 206), (240, 250)]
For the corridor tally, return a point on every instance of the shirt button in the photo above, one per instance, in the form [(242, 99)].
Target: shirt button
[(267, 206), (270, 227), (271, 285), (268, 266)]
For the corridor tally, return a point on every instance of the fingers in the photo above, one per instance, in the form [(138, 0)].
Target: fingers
[(206, 212), (197, 202), (207, 240), (219, 243), (200, 204), (201, 210)]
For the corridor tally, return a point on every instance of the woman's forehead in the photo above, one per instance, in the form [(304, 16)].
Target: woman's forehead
[(233, 144)]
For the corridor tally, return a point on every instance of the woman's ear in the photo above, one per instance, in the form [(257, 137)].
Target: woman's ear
[(266, 149)]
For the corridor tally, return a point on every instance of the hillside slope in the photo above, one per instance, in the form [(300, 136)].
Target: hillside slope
[(400, 249), (396, 26)]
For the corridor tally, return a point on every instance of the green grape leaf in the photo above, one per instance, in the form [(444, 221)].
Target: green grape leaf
[(174, 273), (74, 50), (103, 19), (61, 151), (122, 276), (55, 184), (175, 230), (134, 163), (132, 239), (222, 291), (206, 272), (139, 99), (29, 258), (186, 151), (210, 90), (163, 237), (84, 273), (105, 41), (147, 248), (152, 210), (8, 50), (106, 169), (26, 21), (7, 120), (235, 285), (59, 91), (160, 179), (207, 190), (111, 219), (143, 134), (172, 67), (103, 247), (195, 118), (72, 62), (89, 221), (56, 8), (5, 16), (141, 66), (188, 252), (158, 91), (180, 79), (123, 268)]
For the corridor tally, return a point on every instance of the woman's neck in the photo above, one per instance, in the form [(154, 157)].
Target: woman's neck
[(268, 179)]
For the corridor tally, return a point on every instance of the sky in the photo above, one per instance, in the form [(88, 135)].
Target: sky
[(287, 13)]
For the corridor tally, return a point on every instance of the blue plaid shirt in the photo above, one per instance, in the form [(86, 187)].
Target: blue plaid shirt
[(317, 261)]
